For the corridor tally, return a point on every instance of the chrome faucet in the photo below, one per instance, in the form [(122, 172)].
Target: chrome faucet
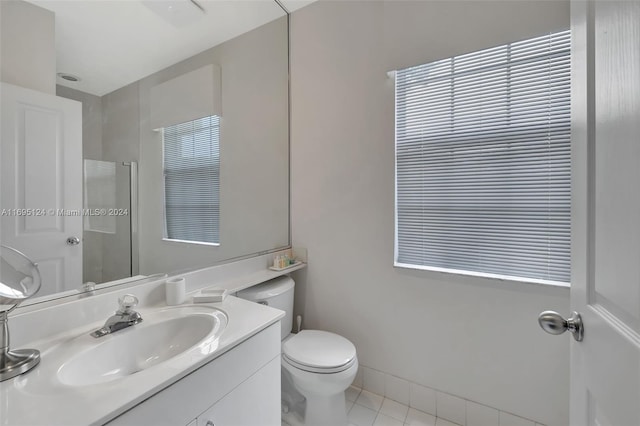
[(123, 318)]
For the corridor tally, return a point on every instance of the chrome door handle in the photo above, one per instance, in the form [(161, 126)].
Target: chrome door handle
[(73, 241), (553, 323)]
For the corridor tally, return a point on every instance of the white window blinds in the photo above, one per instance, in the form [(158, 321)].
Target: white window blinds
[(483, 162), (192, 180)]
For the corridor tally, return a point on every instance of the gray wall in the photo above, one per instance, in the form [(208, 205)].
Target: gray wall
[(91, 120), (120, 143), (121, 124), (471, 337), (92, 242), (27, 43), (254, 154)]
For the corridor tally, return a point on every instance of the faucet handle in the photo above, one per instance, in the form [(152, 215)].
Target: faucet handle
[(127, 302)]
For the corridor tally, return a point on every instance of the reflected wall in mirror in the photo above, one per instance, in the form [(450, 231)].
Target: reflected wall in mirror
[(87, 89)]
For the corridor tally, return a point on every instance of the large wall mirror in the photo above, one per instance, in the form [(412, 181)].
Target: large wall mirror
[(183, 159)]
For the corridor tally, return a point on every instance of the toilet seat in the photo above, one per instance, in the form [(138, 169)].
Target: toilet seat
[(318, 370), (318, 351)]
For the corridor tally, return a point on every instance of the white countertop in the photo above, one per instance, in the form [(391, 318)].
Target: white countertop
[(38, 398), (249, 280)]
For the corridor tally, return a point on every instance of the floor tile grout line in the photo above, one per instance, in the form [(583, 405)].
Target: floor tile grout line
[(437, 391), (378, 411)]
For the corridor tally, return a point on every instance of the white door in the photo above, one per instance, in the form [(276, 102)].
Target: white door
[(41, 181), (605, 287)]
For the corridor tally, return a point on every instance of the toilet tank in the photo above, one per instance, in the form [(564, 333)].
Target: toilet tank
[(277, 293)]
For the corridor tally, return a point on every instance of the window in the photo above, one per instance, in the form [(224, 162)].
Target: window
[(483, 173), (192, 181)]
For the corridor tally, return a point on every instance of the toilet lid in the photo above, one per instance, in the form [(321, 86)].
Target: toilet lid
[(319, 349)]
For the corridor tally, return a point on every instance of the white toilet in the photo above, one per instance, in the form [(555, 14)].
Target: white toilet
[(317, 366)]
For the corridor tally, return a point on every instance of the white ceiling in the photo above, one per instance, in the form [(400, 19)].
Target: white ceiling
[(112, 43)]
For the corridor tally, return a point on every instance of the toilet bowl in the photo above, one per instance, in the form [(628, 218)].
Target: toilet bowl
[(321, 366), (317, 366)]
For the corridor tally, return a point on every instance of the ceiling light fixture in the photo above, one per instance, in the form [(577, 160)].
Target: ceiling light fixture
[(69, 77)]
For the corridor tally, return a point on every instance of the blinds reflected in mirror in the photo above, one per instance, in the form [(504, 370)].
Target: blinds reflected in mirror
[(483, 161), (192, 180)]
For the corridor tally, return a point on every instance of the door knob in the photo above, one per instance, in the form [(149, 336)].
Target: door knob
[(553, 323), (73, 241)]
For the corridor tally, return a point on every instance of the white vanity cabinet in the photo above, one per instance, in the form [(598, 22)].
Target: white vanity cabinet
[(250, 404), (240, 387)]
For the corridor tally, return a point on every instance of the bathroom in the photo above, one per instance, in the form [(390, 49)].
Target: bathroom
[(445, 347)]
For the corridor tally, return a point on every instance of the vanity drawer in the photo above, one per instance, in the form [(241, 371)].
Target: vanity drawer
[(252, 403)]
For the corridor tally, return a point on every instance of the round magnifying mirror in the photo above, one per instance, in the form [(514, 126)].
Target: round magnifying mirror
[(19, 278)]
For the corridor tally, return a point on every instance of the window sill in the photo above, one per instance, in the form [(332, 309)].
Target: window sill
[(199, 243), (506, 278)]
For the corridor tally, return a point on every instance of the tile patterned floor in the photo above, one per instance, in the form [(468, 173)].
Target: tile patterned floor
[(365, 408)]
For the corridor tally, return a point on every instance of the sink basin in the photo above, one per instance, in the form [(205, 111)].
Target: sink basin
[(163, 335)]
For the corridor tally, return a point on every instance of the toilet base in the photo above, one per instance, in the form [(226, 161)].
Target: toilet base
[(310, 399), (295, 415), (326, 411)]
